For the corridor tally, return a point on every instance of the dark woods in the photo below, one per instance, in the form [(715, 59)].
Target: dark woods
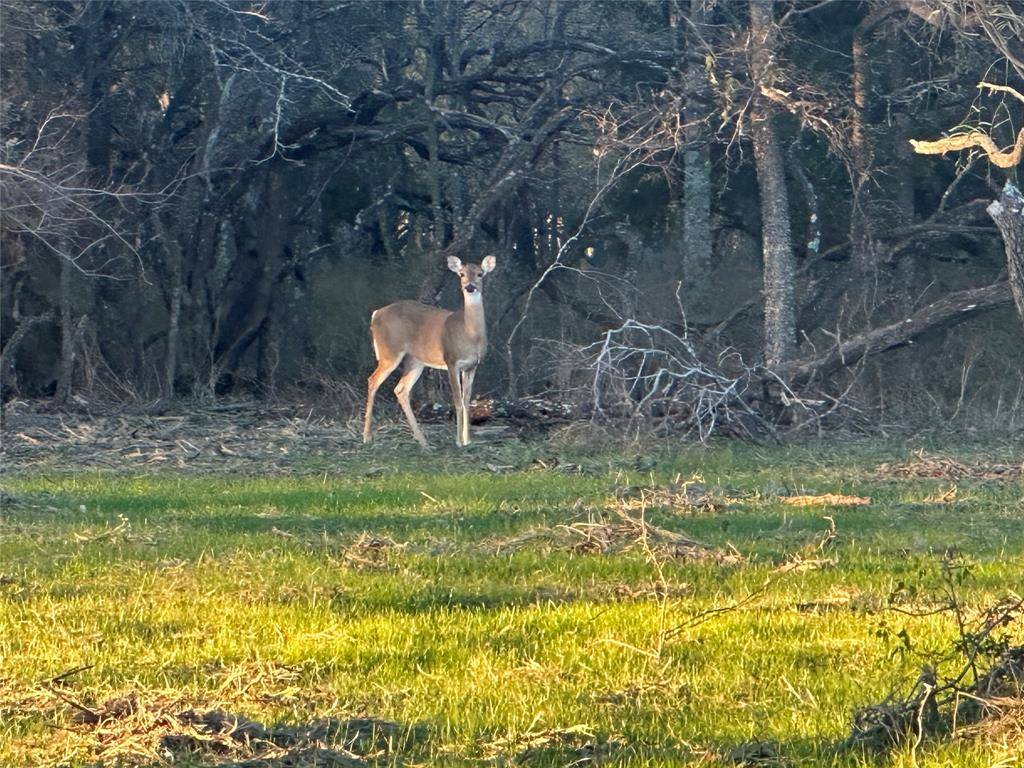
[(205, 199)]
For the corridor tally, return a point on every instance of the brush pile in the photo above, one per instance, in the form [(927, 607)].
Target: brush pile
[(975, 702)]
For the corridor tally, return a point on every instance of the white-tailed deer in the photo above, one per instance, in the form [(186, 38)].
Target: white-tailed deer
[(430, 337)]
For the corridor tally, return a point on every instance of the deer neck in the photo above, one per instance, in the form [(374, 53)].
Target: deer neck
[(473, 316)]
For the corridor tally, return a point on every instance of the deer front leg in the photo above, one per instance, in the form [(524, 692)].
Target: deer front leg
[(467, 395), (454, 376)]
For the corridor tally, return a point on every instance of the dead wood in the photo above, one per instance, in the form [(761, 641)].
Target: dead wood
[(971, 701), (958, 142), (949, 311)]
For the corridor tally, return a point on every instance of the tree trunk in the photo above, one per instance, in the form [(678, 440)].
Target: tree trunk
[(1008, 214), (67, 332), (173, 325), (776, 240), (862, 160), (173, 253), (432, 27), (864, 250), (696, 164)]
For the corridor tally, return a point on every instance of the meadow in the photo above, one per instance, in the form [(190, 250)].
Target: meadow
[(526, 603)]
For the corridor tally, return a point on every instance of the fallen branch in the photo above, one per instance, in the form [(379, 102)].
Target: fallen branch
[(947, 312)]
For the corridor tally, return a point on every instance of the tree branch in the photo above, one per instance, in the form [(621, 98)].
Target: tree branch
[(1000, 158), (945, 313)]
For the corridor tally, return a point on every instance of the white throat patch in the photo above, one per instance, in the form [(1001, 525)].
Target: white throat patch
[(474, 298)]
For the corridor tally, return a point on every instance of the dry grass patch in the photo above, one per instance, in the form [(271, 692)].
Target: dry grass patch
[(613, 531), (578, 744), (925, 465), (826, 500), (680, 497), (156, 728)]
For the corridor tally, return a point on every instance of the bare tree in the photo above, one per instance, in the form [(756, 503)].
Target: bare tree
[(776, 242), (696, 32)]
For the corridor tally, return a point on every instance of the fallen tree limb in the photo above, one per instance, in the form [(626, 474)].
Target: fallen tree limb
[(947, 312)]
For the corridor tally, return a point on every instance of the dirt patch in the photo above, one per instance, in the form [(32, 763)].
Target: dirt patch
[(241, 436), (925, 465), (163, 727)]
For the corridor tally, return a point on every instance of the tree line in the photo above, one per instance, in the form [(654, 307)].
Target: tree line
[(210, 198)]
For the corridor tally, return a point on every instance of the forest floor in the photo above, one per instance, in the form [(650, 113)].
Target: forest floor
[(177, 591)]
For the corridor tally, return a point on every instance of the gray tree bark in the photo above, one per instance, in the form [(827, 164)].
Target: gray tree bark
[(696, 163), (173, 252), (67, 332), (865, 250), (432, 26), (1008, 214), (776, 240)]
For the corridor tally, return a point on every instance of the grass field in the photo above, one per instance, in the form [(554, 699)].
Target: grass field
[(516, 604)]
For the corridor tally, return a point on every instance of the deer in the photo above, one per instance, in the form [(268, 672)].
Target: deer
[(430, 337)]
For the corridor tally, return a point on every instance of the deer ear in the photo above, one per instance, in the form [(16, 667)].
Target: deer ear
[(488, 264), (454, 263)]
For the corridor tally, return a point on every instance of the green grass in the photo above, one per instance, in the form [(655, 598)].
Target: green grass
[(252, 594)]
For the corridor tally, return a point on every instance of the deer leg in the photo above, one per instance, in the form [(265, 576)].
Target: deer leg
[(453, 378), (467, 395), (385, 367), (402, 391)]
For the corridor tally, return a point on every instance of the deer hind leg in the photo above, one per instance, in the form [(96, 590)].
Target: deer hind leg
[(454, 376), (467, 394), (385, 367), (402, 391)]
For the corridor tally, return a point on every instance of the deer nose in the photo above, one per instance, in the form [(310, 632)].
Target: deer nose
[(470, 288)]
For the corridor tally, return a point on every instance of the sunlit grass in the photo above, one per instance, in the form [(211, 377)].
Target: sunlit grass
[(255, 594)]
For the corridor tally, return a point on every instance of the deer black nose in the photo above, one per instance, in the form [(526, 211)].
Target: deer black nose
[(470, 288)]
